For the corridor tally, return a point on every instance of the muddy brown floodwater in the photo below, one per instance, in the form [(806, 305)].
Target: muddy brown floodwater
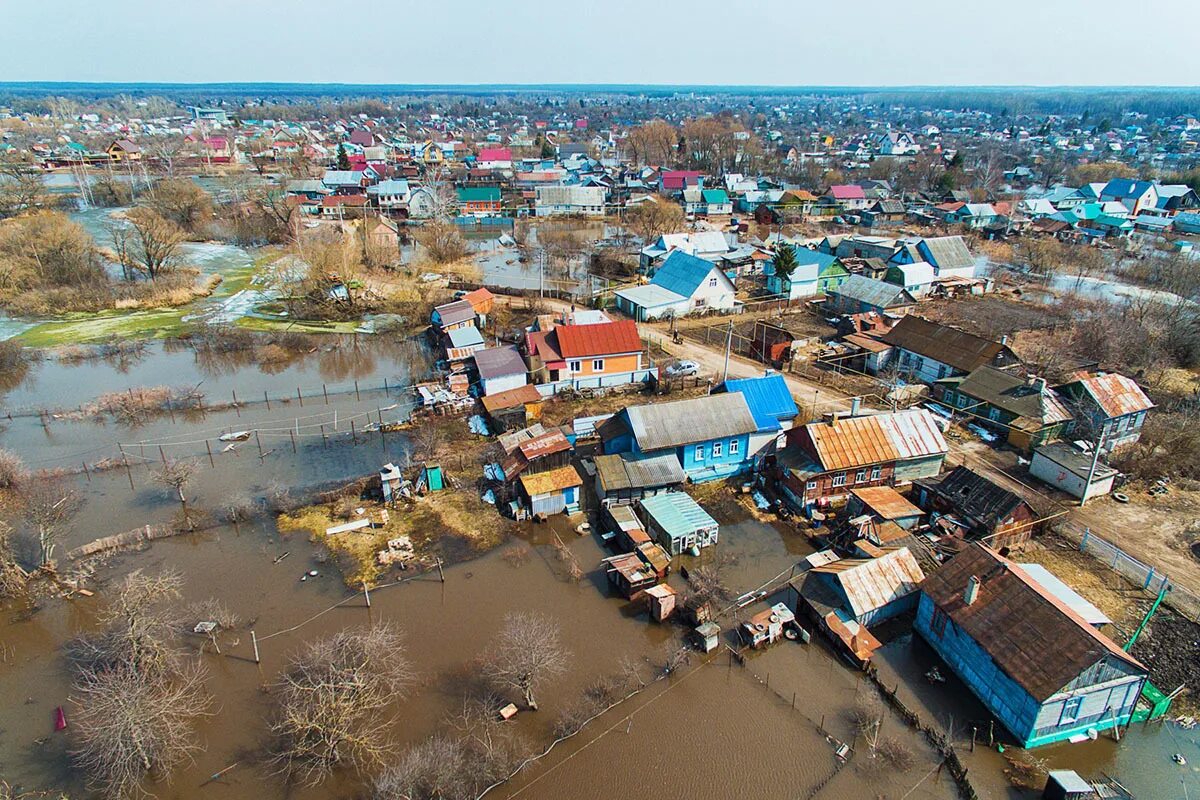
[(714, 729)]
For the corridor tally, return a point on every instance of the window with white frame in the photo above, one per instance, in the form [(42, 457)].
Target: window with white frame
[(810, 485), (860, 476), (597, 365), (712, 282), (734, 447), (876, 472), (1070, 711), (839, 479), (574, 366), (699, 452), (718, 450)]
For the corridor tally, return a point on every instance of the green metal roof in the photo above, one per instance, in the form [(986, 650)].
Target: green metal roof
[(483, 194), (677, 513)]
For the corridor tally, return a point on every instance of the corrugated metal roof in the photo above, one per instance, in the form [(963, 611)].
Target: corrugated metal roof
[(1014, 394), (872, 292), (1033, 636), (662, 425), (495, 362), (875, 439), (638, 471), (768, 397), (512, 398), (1052, 584), (1116, 394), (465, 337), (947, 252), (553, 481), (961, 350), (872, 583), (682, 273), (677, 513), (649, 296), (455, 311), (886, 502), (552, 441), (605, 338)]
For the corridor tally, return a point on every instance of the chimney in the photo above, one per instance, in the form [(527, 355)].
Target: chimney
[(1004, 339), (971, 593), (833, 419), (855, 405)]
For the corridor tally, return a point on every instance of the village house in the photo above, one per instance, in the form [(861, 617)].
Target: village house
[(708, 245), (683, 285), (494, 158), (948, 255), (1023, 409), (1108, 406), (390, 195), (1040, 668), (857, 295), (479, 201), (513, 409), (815, 273), (1079, 473), (847, 197), (556, 491), (823, 461), (847, 595), (709, 436), (124, 150), (969, 506), (587, 201), (771, 404), (626, 478), (500, 369), (455, 314), (597, 355), (927, 351), (678, 523)]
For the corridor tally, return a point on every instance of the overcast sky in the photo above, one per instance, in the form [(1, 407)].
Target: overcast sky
[(777, 42)]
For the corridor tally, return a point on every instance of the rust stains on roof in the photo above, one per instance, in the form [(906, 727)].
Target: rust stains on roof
[(886, 502), (1116, 394), (1039, 641), (876, 439), (553, 481)]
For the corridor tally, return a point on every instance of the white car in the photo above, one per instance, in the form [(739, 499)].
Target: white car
[(682, 369)]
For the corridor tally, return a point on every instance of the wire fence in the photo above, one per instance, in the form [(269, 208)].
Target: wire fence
[(1147, 577)]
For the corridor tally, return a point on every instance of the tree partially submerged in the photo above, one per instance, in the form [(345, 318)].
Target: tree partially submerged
[(333, 700), (49, 506), (526, 654), (156, 241)]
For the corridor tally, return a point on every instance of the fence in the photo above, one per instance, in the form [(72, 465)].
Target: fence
[(1144, 576)]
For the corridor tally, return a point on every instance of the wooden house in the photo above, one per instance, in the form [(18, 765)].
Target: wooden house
[(968, 505)]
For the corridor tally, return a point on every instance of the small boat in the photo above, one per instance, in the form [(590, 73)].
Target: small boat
[(60, 719), (235, 436)]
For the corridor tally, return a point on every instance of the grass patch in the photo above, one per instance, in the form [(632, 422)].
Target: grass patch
[(83, 328), (449, 524), (297, 325)]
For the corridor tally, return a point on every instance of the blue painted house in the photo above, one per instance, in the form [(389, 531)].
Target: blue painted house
[(815, 273), (1034, 662), (771, 404), (710, 436)]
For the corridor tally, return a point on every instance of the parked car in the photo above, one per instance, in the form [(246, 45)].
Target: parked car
[(682, 369)]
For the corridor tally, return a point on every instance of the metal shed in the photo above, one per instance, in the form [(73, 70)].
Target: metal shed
[(679, 523)]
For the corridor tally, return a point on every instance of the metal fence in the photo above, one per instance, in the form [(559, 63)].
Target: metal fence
[(1142, 575)]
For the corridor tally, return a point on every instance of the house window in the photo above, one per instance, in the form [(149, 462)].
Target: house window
[(1070, 711), (810, 486), (938, 623), (717, 450), (734, 447), (860, 476), (839, 479), (574, 366), (699, 452), (598, 365), (876, 472), (712, 282)]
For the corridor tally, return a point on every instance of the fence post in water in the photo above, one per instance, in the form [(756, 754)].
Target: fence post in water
[(353, 433), (441, 574), (85, 471), (386, 391), (266, 400), (171, 410), (356, 397), (208, 447), (973, 731), (254, 641), (324, 441), (258, 441), (292, 434), (235, 403), (325, 391), (128, 472), (300, 397), (367, 594), (162, 455)]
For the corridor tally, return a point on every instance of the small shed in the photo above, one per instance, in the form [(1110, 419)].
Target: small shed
[(629, 574), (1066, 784), (628, 477), (513, 409), (662, 602), (708, 636), (679, 523), (766, 627), (554, 492), (500, 369), (462, 343), (1066, 467)]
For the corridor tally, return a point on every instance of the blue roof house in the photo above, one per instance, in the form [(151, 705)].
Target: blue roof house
[(710, 436), (683, 285), (771, 404)]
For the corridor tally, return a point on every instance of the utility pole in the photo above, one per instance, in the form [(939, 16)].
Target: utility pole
[(1095, 462), (728, 346)]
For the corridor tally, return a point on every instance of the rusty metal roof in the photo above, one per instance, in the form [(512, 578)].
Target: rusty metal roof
[(872, 583), (886, 502), (876, 439), (1039, 641), (961, 350), (553, 481), (1116, 394), (512, 398)]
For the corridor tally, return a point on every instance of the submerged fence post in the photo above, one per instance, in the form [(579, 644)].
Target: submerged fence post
[(208, 447), (254, 641)]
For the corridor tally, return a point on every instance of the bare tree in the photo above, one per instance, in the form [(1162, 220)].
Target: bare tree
[(527, 652), (12, 577), (12, 469), (49, 506), (130, 725), (176, 474), (136, 696), (332, 702), (156, 239), (652, 219)]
